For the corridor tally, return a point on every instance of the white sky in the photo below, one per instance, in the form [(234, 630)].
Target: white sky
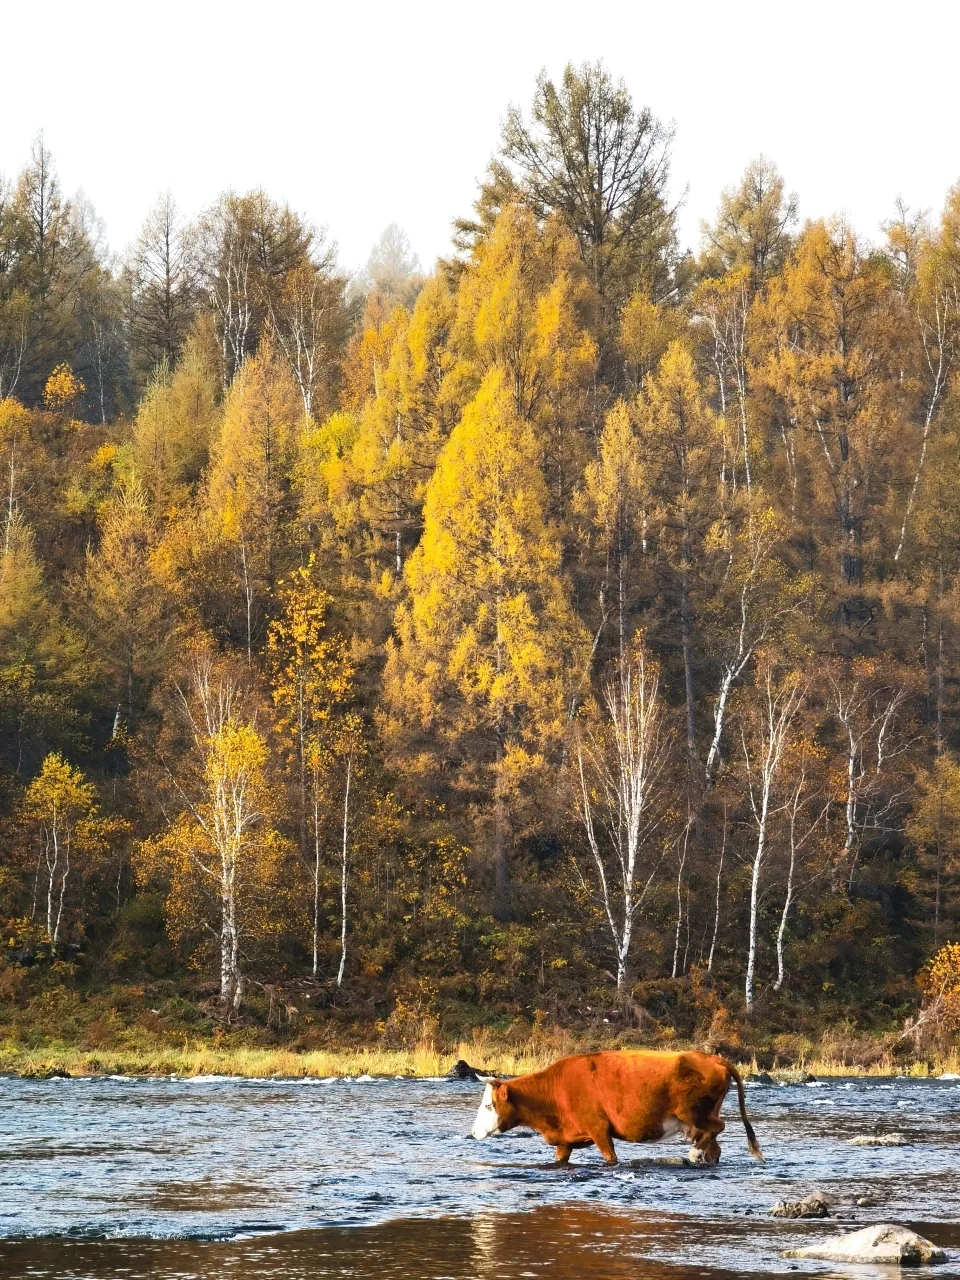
[(360, 114)]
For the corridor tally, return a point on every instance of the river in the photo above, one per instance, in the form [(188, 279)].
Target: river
[(196, 1179)]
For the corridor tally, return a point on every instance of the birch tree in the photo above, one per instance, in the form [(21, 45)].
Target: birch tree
[(621, 767), (309, 323), (220, 852), (935, 307), (60, 810), (765, 735), (870, 714)]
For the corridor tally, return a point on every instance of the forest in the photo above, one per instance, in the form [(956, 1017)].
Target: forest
[(563, 638)]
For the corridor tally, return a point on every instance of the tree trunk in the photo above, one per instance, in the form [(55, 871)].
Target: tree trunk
[(503, 906), (343, 876), (716, 917)]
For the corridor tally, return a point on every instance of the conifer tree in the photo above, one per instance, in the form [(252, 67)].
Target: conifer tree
[(479, 680)]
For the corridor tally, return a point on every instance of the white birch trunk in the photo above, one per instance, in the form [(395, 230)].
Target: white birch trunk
[(343, 876)]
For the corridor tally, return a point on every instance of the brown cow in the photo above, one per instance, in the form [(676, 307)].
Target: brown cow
[(636, 1095)]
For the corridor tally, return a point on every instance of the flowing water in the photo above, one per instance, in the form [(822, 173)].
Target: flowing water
[(177, 1179)]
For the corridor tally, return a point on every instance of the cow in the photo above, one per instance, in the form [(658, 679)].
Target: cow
[(633, 1095)]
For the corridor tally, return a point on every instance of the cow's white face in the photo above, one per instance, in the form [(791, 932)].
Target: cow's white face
[(487, 1121)]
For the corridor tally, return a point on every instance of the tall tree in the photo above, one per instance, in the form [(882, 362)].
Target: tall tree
[(247, 245), (479, 680), (753, 225), (311, 676), (220, 853), (621, 768), (588, 154), (163, 289)]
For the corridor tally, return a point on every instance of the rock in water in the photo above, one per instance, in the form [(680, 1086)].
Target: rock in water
[(879, 1140), (811, 1206), (463, 1071), (882, 1243)]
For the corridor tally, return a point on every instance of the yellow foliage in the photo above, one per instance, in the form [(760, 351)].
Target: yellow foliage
[(486, 639), (62, 389), (941, 980)]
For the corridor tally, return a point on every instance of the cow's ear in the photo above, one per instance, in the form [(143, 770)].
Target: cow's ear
[(502, 1090)]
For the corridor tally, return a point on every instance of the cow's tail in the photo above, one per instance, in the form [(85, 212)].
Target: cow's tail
[(753, 1146)]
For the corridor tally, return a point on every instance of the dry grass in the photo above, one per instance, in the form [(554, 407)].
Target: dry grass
[(204, 1060), (422, 1061)]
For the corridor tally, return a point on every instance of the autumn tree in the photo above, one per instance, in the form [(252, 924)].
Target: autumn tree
[(61, 813), (526, 310), (934, 830), (176, 421), (769, 719), (47, 252), (832, 313), (122, 604), (163, 289), (308, 321), (219, 854), (753, 225), (403, 424), (392, 270), (479, 680), (621, 764), (587, 154), (246, 247), (679, 442), (247, 500), (312, 685)]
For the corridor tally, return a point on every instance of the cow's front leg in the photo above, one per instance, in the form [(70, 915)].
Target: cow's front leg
[(563, 1152), (604, 1143)]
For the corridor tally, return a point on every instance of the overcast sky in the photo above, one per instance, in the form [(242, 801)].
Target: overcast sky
[(360, 114)]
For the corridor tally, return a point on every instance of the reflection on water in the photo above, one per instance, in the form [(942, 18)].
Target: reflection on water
[(104, 1179), (562, 1243)]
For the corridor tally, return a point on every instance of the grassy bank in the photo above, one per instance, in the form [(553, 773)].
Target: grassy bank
[(424, 1061), (202, 1060)]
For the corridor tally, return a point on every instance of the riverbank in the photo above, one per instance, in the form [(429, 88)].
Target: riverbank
[(422, 1062)]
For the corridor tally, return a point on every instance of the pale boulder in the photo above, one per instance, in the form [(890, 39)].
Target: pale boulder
[(882, 1243)]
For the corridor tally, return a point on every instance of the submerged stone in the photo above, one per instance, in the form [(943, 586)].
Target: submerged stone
[(882, 1243), (879, 1140), (811, 1206)]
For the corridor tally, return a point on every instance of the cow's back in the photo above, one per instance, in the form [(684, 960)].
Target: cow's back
[(637, 1090)]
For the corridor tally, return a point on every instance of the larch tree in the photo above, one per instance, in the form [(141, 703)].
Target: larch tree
[(174, 427), (526, 310), (832, 314), (403, 425), (753, 226), (163, 289), (312, 685), (588, 154), (479, 678), (122, 605), (615, 501), (680, 443), (248, 499)]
